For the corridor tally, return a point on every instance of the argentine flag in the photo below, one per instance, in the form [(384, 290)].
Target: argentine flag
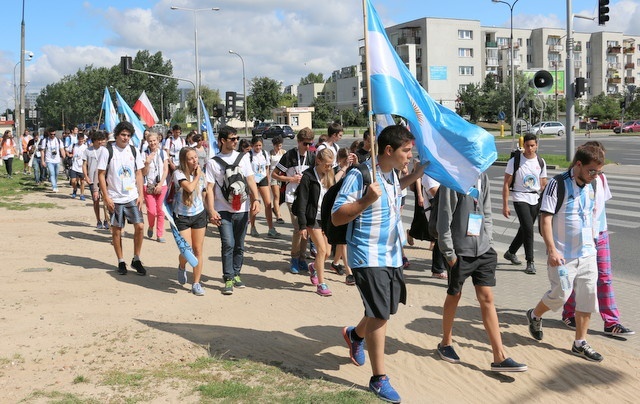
[(110, 116)]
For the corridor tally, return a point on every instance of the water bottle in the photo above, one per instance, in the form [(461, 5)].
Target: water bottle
[(564, 278), (236, 203)]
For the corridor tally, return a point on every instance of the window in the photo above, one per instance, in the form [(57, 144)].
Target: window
[(588, 60), (502, 41), (465, 34), (588, 45), (462, 87), (528, 42), (465, 70), (465, 52), (529, 58)]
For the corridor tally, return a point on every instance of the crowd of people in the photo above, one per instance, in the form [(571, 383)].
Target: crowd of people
[(181, 177)]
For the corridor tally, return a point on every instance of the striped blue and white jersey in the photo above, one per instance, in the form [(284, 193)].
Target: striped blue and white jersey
[(179, 208), (375, 238), (575, 219)]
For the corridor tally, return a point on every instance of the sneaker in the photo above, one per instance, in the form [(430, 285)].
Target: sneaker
[(161, 240), (150, 232), (137, 265), (405, 262), (122, 268), (55, 190), (228, 287), (382, 388), (197, 290), (531, 268), (356, 348), (535, 326), (302, 265), (350, 280), (73, 195), (618, 329), (182, 276), (586, 352), (447, 353), (508, 365), (512, 257), (337, 268), (273, 233), (280, 220), (323, 290), (237, 282), (294, 266), (82, 198), (105, 224), (254, 232), (313, 275), (99, 225), (570, 322)]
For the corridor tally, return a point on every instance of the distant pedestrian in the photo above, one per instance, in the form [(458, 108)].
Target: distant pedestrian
[(32, 149), (260, 165), (52, 155), (26, 157), (172, 145), (275, 155), (120, 175), (155, 173), (90, 171), (76, 152), (8, 151)]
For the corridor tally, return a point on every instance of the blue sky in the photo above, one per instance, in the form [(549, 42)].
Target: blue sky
[(281, 39)]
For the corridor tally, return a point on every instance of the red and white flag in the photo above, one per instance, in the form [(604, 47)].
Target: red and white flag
[(145, 110)]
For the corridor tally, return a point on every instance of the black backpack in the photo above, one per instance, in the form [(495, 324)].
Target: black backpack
[(234, 182), (517, 154), (110, 150), (338, 234), (433, 215), (560, 193)]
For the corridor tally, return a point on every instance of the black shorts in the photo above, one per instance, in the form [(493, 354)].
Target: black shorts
[(264, 182), (198, 221), (75, 174), (482, 271), (129, 211), (381, 289)]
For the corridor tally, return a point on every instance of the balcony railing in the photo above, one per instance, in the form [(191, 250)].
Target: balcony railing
[(492, 61), (614, 80), (614, 49), (577, 48), (629, 80), (630, 65), (404, 40), (556, 48), (630, 49), (491, 44), (613, 66)]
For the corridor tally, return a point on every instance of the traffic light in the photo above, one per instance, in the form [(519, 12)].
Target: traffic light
[(230, 103), (125, 64), (603, 11), (623, 104), (581, 87)]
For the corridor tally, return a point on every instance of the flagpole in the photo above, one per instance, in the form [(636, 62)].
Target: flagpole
[(372, 129)]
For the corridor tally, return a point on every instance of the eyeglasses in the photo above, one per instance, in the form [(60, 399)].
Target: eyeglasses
[(233, 139), (594, 172), (307, 143)]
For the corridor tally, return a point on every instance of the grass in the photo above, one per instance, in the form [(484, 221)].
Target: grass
[(13, 189)]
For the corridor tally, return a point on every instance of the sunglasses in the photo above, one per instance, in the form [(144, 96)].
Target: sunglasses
[(233, 139), (594, 172)]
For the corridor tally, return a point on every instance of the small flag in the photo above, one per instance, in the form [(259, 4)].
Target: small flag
[(213, 143), (131, 117), (110, 116), (145, 110)]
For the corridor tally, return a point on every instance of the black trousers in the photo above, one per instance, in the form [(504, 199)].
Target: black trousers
[(526, 216)]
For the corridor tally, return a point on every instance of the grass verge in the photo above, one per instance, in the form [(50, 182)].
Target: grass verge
[(13, 189)]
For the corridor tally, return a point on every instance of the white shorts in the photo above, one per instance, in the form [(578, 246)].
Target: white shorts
[(583, 276)]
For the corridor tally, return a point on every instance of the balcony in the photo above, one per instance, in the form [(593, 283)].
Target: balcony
[(577, 48), (629, 80), (613, 66), (492, 62), (404, 40), (630, 49), (614, 80), (630, 65), (556, 48), (491, 44), (614, 49)]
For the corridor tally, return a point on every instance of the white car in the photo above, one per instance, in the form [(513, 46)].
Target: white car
[(547, 128)]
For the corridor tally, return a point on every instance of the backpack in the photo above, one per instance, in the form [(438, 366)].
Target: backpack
[(110, 150), (234, 185), (560, 193), (516, 154), (433, 215), (264, 153), (338, 234)]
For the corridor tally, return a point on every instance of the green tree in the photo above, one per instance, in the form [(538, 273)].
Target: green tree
[(323, 112), (604, 107), (211, 99), (311, 79), (264, 96)]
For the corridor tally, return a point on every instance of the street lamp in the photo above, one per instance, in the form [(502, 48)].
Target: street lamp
[(195, 34), (244, 93), (513, 73), (19, 98)]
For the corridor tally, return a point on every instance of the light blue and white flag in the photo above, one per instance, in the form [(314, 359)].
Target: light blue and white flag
[(133, 118), (213, 143), (457, 150), (110, 117)]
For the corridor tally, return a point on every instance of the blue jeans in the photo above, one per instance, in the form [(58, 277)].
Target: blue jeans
[(37, 176), (232, 232), (53, 174)]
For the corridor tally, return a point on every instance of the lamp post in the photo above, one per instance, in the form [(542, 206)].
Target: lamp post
[(19, 94), (244, 93), (195, 34), (513, 73)]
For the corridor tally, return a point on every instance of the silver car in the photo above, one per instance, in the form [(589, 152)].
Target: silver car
[(547, 128)]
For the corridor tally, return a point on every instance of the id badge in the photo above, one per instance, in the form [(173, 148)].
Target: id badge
[(128, 184), (587, 237), (474, 225)]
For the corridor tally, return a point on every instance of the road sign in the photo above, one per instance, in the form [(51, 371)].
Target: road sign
[(501, 115)]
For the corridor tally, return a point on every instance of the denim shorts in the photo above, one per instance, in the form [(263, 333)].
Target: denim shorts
[(198, 221), (128, 211)]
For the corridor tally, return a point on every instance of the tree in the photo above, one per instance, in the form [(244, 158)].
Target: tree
[(311, 79), (264, 96), (323, 112), (211, 99)]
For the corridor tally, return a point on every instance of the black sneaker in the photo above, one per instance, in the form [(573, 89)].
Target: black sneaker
[(586, 352), (618, 329), (122, 268), (571, 322), (512, 257), (137, 265), (350, 280), (338, 268), (508, 365), (531, 268), (535, 326), (447, 353)]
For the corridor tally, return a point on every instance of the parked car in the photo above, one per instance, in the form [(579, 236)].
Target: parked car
[(609, 124), (262, 126), (630, 126), (547, 128), (282, 130)]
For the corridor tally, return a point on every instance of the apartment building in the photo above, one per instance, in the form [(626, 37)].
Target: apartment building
[(446, 55)]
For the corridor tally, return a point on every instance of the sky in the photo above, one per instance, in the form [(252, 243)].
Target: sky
[(280, 39)]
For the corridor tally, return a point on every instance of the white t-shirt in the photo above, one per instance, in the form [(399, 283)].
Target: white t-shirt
[(51, 149), (259, 164), (334, 148), (603, 194), (91, 156), (121, 176), (427, 184), (526, 186), (76, 159), (215, 175), (172, 146)]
